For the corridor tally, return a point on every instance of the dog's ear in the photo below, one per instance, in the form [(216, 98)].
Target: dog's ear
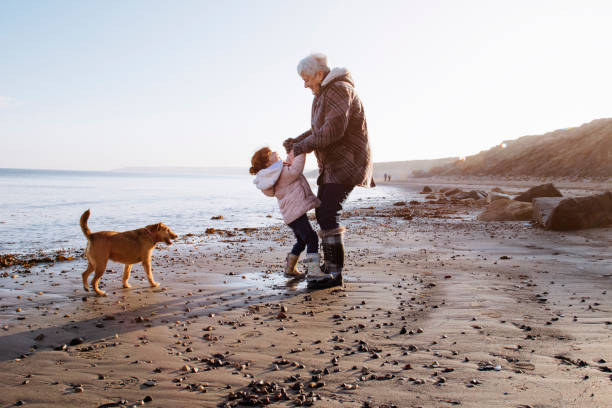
[(159, 226)]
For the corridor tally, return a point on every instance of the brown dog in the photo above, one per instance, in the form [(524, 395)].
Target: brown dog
[(127, 247)]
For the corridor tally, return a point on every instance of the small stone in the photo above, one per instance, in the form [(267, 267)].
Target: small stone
[(76, 341), (148, 398)]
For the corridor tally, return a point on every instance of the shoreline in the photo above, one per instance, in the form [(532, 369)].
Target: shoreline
[(514, 185)]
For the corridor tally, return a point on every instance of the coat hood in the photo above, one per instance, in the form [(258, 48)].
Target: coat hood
[(338, 74), (267, 177)]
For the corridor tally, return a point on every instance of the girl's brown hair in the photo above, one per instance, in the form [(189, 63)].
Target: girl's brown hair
[(260, 160)]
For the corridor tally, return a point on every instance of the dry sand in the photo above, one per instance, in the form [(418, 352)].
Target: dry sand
[(439, 310)]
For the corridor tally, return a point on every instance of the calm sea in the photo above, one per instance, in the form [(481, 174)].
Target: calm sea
[(40, 209)]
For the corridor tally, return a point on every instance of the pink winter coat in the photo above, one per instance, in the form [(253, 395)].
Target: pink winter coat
[(289, 186)]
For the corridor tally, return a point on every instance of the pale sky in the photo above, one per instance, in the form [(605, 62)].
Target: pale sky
[(98, 85)]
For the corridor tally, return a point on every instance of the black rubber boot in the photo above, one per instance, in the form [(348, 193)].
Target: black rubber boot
[(332, 242)]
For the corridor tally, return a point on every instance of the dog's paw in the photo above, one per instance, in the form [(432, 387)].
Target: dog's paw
[(86, 288), (126, 285), (101, 293), (154, 284)]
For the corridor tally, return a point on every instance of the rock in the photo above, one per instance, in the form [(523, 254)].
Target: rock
[(453, 192), (76, 341), (544, 190), (575, 213), (507, 210), (473, 194), (148, 398), (426, 190), (543, 208), (494, 195)]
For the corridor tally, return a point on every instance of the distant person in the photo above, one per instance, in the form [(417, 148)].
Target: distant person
[(339, 138), (285, 181), (389, 177), (385, 176)]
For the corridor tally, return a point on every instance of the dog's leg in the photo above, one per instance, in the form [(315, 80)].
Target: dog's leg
[(126, 275), (147, 267), (86, 274), (100, 268)]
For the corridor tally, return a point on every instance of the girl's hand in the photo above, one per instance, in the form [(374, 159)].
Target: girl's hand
[(288, 144)]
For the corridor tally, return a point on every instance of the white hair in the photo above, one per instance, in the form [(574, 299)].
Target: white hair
[(313, 63)]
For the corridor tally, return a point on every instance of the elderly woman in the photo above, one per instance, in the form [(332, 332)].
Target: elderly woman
[(339, 138)]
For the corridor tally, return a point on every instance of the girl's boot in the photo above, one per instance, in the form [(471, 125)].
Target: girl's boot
[(291, 266)]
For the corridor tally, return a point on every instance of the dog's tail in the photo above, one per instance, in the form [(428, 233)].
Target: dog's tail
[(84, 227)]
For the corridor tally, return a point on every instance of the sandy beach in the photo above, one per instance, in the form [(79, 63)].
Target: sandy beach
[(438, 310)]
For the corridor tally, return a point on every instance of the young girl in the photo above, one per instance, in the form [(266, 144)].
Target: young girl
[(286, 182)]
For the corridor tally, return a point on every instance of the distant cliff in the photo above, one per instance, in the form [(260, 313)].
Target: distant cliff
[(584, 151)]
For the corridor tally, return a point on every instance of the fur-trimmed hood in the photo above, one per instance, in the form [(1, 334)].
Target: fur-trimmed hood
[(266, 178), (337, 74)]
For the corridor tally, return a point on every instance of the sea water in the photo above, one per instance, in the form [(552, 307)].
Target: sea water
[(40, 209)]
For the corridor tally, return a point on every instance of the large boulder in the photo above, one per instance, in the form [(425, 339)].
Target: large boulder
[(576, 213), (544, 190), (505, 209)]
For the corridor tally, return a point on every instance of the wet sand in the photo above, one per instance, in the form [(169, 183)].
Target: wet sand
[(438, 310)]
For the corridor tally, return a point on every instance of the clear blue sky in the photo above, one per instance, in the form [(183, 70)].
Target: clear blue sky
[(106, 84)]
